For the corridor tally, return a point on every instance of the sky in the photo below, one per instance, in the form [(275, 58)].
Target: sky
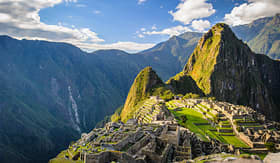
[(129, 25)]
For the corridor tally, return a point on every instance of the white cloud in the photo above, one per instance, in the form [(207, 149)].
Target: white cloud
[(141, 1), (201, 25), (189, 10), (169, 31), (20, 19), (24, 22), (254, 9), (126, 46), (141, 36), (69, 1), (154, 27), (5, 17)]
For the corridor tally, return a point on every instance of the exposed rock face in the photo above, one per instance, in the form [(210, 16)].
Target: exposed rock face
[(143, 86), (224, 67)]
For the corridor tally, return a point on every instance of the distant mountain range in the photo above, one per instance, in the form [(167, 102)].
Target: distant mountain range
[(262, 35), (51, 92)]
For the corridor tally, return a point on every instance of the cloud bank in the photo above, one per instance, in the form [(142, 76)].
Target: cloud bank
[(20, 19), (254, 9)]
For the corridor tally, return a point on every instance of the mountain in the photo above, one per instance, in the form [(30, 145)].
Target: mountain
[(224, 67), (221, 66), (54, 91), (51, 92), (262, 35), (47, 92), (144, 85), (157, 124), (179, 47)]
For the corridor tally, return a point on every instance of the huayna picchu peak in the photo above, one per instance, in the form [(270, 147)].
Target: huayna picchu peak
[(224, 67), (221, 107)]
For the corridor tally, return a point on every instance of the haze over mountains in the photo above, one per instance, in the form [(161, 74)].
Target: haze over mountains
[(51, 92)]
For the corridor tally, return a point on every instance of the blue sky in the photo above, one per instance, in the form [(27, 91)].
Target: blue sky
[(130, 25)]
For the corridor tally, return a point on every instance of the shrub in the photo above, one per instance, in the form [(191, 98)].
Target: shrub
[(270, 146), (191, 95)]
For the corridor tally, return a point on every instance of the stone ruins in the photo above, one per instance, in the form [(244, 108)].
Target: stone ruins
[(154, 135)]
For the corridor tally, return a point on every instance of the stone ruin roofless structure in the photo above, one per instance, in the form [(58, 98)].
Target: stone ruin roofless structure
[(153, 135)]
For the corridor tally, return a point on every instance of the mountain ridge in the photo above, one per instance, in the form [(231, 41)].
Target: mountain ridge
[(143, 86), (98, 84), (61, 81), (224, 67)]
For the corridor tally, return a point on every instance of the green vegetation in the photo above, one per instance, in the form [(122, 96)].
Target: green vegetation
[(195, 121), (146, 84), (201, 63), (117, 115), (35, 88), (184, 84), (270, 146), (61, 158), (34, 96), (191, 95), (163, 93), (191, 118), (143, 86)]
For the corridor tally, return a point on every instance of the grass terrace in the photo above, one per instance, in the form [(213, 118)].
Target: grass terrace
[(195, 122)]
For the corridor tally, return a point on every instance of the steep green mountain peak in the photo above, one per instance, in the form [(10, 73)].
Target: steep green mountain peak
[(218, 41), (224, 67), (143, 86)]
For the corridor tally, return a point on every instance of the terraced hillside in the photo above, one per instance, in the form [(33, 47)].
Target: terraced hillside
[(177, 130), (206, 122), (179, 120)]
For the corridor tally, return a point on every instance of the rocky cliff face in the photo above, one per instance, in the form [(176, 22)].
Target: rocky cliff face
[(143, 86), (225, 67)]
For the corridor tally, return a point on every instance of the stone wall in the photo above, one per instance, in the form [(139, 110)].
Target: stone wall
[(110, 156)]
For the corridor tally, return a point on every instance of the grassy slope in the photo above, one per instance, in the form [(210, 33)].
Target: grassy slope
[(146, 84), (193, 117), (205, 53)]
